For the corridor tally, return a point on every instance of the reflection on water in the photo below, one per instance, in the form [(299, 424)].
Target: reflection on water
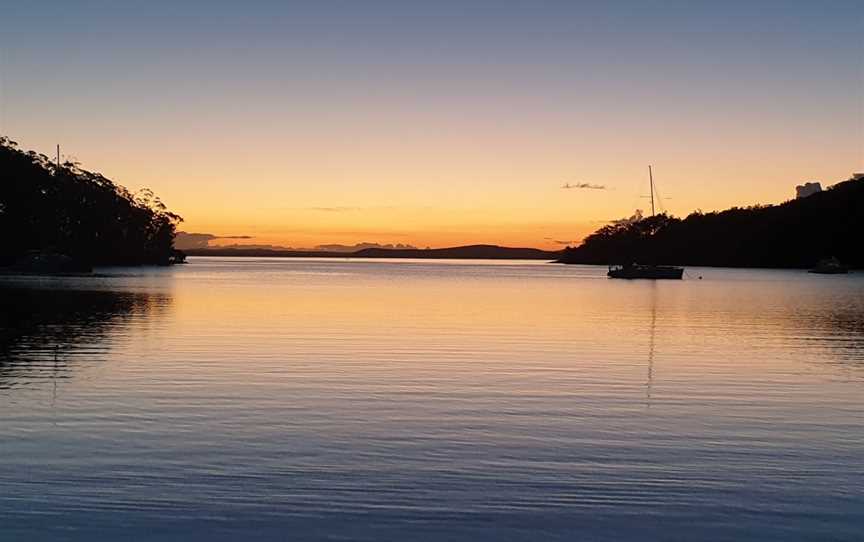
[(42, 328), (840, 329), (375, 400), (652, 333)]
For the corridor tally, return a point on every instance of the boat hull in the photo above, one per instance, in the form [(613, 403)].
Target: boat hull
[(646, 272), (830, 271), (830, 266)]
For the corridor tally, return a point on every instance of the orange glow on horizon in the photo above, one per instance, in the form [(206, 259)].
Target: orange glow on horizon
[(403, 127)]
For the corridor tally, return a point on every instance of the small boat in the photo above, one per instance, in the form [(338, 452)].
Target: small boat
[(636, 271), (47, 262), (830, 266)]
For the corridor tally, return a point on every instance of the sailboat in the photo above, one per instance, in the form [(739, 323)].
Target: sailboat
[(634, 270)]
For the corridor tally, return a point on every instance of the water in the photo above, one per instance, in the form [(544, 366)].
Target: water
[(412, 400)]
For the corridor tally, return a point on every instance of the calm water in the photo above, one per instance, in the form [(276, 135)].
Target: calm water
[(401, 400)]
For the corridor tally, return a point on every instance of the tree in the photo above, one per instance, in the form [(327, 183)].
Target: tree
[(68, 210)]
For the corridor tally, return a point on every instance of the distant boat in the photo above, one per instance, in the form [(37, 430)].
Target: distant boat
[(830, 266), (637, 271), (47, 262)]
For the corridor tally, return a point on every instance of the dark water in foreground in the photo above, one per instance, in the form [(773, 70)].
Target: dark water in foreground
[(375, 400)]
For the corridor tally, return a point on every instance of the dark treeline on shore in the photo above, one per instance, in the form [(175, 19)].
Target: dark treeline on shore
[(63, 210), (794, 234)]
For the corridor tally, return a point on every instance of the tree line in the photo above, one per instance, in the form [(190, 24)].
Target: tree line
[(64, 209), (795, 234)]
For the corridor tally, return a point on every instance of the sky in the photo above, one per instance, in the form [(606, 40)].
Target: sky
[(438, 123)]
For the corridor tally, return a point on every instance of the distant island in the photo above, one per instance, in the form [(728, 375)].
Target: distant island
[(59, 217), (191, 240), (795, 234), (470, 252)]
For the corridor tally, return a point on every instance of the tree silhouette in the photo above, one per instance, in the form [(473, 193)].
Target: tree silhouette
[(68, 210), (797, 233)]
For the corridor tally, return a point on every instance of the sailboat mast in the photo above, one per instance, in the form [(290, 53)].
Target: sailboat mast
[(651, 179)]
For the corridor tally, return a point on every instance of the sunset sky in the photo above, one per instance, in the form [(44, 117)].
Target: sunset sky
[(438, 123)]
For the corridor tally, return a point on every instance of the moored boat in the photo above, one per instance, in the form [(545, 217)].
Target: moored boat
[(830, 266), (47, 262), (636, 271)]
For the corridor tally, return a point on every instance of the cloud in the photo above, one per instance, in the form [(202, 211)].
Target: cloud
[(556, 241), (259, 247), (331, 209), (588, 186), (185, 240)]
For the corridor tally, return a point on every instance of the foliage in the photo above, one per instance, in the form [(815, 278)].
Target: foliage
[(68, 210), (797, 233)]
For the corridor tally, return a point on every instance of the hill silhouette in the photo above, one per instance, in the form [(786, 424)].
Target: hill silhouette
[(480, 252), (67, 211), (796, 234), (469, 252)]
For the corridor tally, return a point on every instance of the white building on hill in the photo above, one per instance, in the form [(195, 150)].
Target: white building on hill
[(807, 189)]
